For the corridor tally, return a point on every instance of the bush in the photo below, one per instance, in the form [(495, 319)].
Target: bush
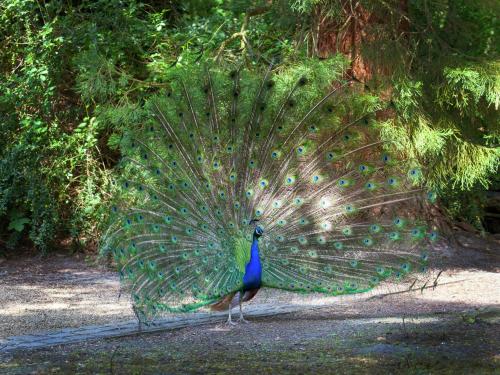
[(76, 74)]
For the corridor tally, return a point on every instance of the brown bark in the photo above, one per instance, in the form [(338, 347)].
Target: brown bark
[(348, 34)]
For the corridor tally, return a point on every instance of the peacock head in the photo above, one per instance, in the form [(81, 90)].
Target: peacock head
[(259, 231)]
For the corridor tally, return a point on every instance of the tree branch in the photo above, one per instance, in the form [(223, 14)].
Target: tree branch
[(242, 34)]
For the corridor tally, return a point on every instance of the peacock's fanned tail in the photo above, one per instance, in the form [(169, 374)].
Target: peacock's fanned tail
[(298, 150)]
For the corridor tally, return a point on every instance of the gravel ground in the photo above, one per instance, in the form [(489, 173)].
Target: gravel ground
[(325, 341), (92, 299), (453, 328), (38, 295)]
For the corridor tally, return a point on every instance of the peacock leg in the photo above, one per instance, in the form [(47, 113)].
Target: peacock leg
[(229, 321), (242, 319)]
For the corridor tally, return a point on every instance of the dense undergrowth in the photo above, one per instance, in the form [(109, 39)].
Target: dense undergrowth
[(75, 74)]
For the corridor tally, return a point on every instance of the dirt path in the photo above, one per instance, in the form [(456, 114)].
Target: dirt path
[(62, 292), (309, 342), (453, 328), (37, 295)]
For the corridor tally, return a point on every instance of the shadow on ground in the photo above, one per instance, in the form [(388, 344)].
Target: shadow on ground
[(306, 342), (451, 329)]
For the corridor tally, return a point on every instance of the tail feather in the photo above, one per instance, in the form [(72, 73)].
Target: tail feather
[(224, 303), (233, 300), (218, 150)]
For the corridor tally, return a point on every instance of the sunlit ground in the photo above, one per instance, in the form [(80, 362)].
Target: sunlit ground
[(451, 328), (66, 292)]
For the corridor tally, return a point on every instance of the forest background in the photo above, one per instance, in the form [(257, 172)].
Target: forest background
[(74, 75)]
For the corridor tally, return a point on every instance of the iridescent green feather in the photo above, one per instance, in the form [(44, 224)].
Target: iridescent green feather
[(242, 253), (298, 149)]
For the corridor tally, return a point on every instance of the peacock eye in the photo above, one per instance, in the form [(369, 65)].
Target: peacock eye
[(283, 161), (302, 81)]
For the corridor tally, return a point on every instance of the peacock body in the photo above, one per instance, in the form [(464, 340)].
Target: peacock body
[(235, 180)]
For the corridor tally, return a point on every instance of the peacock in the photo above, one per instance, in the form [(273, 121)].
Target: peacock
[(238, 177)]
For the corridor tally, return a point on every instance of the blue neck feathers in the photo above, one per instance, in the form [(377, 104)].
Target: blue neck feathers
[(253, 269)]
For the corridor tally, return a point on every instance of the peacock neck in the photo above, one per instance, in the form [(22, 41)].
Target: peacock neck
[(253, 269), (254, 251)]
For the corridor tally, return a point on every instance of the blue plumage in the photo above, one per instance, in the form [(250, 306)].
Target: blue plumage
[(294, 151), (253, 270)]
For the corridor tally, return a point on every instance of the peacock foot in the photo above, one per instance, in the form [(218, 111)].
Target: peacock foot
[(243, 320), (229, 322)]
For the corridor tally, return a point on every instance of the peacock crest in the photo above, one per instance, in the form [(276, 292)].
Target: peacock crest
[(297, 152)]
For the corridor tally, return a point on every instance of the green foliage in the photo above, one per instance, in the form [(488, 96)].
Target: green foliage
[(74, 75), (54, 169), (447, 98)]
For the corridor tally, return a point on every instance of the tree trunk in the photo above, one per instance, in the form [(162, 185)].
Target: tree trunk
[(357, 27)]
